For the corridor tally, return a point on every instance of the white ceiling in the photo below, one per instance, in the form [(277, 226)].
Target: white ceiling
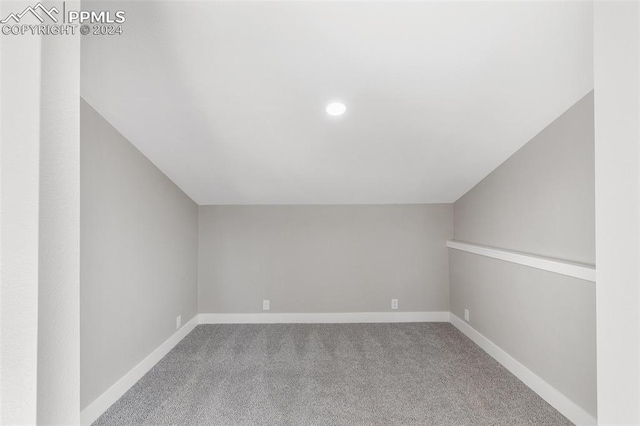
[(227, 98)]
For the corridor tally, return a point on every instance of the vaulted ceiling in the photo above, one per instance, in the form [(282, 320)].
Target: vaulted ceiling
[(227, 98)]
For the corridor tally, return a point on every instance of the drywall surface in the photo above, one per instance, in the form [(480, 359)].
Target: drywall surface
[(617, 125), (59, 232), (139, 236), (540, 201), (324, 258), (19, 197)]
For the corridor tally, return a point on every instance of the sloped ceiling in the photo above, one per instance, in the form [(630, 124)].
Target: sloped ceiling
[(227, 98)]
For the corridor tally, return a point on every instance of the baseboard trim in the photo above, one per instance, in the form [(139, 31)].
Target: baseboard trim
[(323, 318), (555, 398), (111, 395), (547, 392)]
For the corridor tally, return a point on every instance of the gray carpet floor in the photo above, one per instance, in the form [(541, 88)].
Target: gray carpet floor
[(329, 374)]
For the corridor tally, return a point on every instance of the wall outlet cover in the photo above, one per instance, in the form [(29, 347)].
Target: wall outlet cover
[(265, 305), (466, 315), (394, 303), (178, 321)]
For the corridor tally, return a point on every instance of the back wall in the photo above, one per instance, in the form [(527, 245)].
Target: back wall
[(319, 259)]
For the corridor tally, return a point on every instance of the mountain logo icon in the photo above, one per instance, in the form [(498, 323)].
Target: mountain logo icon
[(35, 11)]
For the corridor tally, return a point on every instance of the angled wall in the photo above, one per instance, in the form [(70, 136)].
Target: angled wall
[(540, 201), (139, 242)]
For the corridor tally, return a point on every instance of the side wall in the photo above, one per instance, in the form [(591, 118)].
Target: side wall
[(20, 60), (617, 112), (317, 259), (59, 232), (540, 201), (139, 242)]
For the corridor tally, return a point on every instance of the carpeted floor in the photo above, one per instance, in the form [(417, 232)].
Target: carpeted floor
[(329, 374)]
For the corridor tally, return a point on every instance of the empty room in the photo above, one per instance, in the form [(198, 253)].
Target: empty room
[(320, 212)]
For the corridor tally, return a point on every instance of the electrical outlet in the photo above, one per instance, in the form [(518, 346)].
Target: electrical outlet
[(466, 315), (178, 321), (394, 303), (265, 305)]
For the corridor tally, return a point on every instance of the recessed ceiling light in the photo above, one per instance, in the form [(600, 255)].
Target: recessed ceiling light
[(336, 109)]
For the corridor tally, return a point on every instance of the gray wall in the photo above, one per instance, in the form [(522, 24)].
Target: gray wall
[(324, 258), (139, 241), (540, 201)]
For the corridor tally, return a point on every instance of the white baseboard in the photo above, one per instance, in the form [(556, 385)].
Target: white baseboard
[(111, 395), (323, 318), (555, 398)]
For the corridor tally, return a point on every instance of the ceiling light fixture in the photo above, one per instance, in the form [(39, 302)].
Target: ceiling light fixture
[(336, 109)]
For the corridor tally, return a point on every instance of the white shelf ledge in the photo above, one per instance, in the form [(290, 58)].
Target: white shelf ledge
[(576, 270)]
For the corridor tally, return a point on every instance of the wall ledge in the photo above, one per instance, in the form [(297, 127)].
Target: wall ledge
[(575, 270)]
